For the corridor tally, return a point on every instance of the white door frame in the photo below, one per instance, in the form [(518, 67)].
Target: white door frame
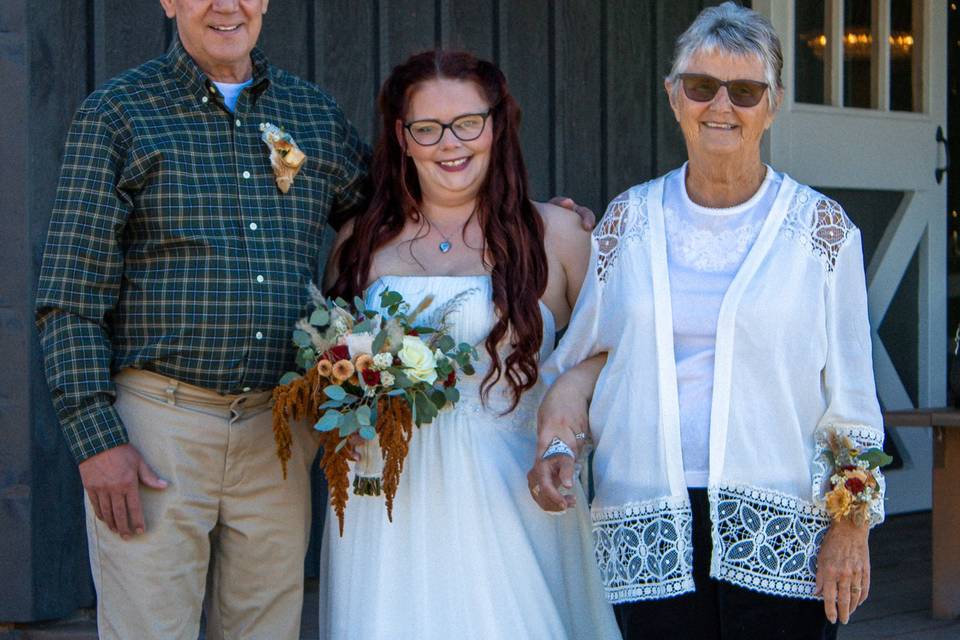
[(844, 147)]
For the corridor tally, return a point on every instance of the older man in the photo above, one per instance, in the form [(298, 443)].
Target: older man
[(174, 269)]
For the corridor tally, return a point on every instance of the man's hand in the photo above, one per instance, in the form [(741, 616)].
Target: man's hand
[(112, 479), (843, 569), (587, 219)]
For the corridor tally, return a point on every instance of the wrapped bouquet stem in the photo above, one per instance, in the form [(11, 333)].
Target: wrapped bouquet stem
[(369, 375)]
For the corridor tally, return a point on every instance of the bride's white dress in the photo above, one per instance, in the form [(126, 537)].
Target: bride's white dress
[(469, 554)]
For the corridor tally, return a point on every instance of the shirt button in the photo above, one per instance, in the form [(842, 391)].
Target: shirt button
[(259, 278), (259, 335), (253, 226), (246, 175), (238, 122), (204, 99)]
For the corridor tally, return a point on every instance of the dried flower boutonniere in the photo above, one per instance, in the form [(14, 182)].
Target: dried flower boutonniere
[(285, 156)]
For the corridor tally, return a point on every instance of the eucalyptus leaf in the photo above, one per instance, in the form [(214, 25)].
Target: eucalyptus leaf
[(329, 421), (289, 377), (320, 317), (423, 331), (363, 327), (875, 458), (438, 398), (368, 433), (363, 415), (379, 341), (335, 392), (340, 302), (358, 304), (301, 338), (340, 445), (453, 396), (389, 298), (348, 425), (445, 343), (425, 409)]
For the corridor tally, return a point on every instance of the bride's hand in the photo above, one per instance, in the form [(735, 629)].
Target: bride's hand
[(563, 415), (352, 447)]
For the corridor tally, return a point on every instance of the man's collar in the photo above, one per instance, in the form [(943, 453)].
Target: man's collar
[(185, 69)]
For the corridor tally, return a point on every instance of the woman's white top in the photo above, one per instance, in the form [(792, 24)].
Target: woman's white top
[(705, 248), (792, 357)]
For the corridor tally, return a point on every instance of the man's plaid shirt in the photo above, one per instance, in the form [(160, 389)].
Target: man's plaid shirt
[(170, 247)]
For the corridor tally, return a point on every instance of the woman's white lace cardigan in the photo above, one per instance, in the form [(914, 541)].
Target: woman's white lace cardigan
[(793, 358)]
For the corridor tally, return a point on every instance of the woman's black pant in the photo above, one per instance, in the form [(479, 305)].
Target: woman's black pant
[(719, 610)]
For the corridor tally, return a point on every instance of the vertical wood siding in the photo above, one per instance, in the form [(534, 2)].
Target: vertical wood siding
[(587, 73)]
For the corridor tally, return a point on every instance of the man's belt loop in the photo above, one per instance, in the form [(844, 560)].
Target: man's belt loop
[(171, 391)]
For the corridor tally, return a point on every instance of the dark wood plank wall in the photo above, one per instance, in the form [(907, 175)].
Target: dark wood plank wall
[(588, 74)]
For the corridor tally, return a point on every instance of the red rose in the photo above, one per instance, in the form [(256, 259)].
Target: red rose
[(855, 485), (451, 379), (412, 332), (370, 377), (337, 353)]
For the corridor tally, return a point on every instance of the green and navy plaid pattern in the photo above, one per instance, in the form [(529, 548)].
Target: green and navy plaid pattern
[(171, 248)]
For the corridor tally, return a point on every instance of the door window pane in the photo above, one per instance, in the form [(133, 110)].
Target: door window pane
[(904, 57), (857, 53), (811, 45)]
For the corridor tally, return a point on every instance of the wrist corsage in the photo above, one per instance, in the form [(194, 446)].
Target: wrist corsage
[(853, 479)]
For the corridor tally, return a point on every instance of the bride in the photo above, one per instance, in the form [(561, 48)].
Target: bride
[(468, 554)]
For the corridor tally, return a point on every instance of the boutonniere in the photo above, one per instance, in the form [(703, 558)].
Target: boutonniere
[(285, 156)]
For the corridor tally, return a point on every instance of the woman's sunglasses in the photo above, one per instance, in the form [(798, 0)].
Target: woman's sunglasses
[(700, 87)]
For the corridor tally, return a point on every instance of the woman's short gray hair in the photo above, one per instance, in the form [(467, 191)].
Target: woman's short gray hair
[(734, 30)]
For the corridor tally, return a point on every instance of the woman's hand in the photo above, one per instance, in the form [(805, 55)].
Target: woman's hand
[(843, 569), (563, 414)]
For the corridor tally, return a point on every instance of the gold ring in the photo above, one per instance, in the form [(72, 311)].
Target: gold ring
[(535, 491)]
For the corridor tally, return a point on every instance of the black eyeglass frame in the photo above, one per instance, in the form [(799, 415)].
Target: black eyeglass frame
[(449, 125), (734, 97)]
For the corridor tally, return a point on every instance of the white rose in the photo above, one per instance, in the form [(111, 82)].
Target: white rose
[(387, 379), (418, 360)]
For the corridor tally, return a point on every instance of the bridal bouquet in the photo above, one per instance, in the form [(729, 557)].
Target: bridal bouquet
[(368, 376)]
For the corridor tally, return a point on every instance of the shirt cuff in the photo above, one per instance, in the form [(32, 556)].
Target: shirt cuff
[(94, 430)]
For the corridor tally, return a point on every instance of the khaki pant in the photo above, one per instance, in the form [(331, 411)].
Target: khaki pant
[(226, 509)]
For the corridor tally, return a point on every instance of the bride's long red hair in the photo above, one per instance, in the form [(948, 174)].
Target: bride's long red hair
[(512, 227)]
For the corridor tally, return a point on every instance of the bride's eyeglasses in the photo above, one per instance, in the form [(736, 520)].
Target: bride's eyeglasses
[(700, 87), (467, 127)]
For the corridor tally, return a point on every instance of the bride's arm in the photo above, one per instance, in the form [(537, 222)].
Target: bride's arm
[(563, 414)]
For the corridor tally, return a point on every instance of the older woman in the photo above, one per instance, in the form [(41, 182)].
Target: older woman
[(730, 303)]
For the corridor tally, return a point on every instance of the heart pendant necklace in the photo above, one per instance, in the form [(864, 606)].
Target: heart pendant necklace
[(444, 245)]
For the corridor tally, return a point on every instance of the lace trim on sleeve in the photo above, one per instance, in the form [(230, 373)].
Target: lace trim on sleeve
[(863, 437), (819, 223), (644, 549), (765, 540), (625, 219)]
